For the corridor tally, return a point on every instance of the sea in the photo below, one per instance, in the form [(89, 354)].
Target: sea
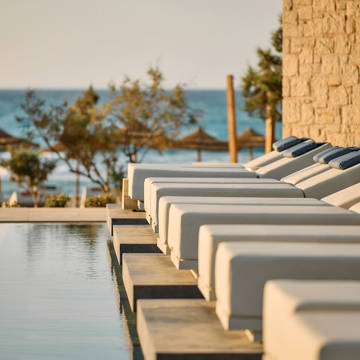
[(212, 104)]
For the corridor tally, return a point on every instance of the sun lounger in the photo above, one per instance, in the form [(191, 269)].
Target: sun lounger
[(167, 201), (243, 268), (239, 189), (345, 198), (210, 236), (294, 159), (223, 190), (185, 221), (160, 180), (321, 164), (325, 335), (356, 208), (344, 172), (284, 299), (137, 173), (318, 186)]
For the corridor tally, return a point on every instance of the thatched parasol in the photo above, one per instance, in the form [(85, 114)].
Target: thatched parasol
[(200, 140), (7, 140), (250, 139)]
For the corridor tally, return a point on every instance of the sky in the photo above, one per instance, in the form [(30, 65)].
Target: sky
[(74, 43)]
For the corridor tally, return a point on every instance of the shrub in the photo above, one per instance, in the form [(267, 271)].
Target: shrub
[(99, 200), (59, 200), (6, 204)]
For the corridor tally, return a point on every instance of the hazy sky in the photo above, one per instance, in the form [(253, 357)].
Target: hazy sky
[(72, 43)]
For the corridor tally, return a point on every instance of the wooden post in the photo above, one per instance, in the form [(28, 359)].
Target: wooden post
[(198, 157), (251, 155), (77, 185), (231, 119), (270, 130)]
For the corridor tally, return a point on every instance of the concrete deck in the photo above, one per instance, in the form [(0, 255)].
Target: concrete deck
[(128, 317), (153, 276), (189, 330), (72, 215), (134, 239), (116, 216)]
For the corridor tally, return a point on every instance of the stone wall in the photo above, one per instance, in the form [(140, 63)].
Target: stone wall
[(321, 70)]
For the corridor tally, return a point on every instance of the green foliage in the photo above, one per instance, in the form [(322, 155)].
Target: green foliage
[(147, 115), (6, 204), (81, 130), (58, 200), (262, 86), (99, 200), (28, 170)]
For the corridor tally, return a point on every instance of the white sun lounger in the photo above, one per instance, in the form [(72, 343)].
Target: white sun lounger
[(210, 236), (167, 201), (345, 198), (185, 221), (318, 186), (325, 335), (160, 180), (252, 189), (356, 208), (137, 173), (243, 268), (283, 299)]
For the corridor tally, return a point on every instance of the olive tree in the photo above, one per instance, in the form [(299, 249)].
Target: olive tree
[(29, 171)]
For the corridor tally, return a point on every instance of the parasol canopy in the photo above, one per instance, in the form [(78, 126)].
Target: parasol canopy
[(200, 140), (250, 139), (7, 140)]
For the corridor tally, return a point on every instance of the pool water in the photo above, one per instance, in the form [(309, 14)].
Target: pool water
[(57, 296)]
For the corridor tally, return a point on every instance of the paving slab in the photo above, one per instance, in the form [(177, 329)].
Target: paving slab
[(134, 239), (115, 215), (153, 276), (189, 329), (72, 215)]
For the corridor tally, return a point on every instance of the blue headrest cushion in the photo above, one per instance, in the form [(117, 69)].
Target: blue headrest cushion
[(346, 161), (327, 155), (301, 148), (286, 143)]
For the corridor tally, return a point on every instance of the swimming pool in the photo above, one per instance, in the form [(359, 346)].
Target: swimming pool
[(57, 299)]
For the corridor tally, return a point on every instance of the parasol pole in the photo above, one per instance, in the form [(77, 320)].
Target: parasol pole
[(231, 119)]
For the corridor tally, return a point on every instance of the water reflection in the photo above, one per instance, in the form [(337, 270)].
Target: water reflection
[(129, 318), (56, 298), (79, 238)]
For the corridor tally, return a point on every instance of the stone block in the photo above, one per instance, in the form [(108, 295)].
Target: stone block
[(305, 13), (286, 86), (300, 86), (338, 96), (307, 114), (306, 56), (334, 80), (356, 95), (340, 5), (290, 65), (325, 46), (350, 75), (330, 64), (342, 45), (289, 17), (291, 109), (301, 3), (287, 5)]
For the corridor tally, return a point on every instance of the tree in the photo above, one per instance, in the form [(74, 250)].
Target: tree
[(86, 139), (147, 115), (262, 87), (29, 171)]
